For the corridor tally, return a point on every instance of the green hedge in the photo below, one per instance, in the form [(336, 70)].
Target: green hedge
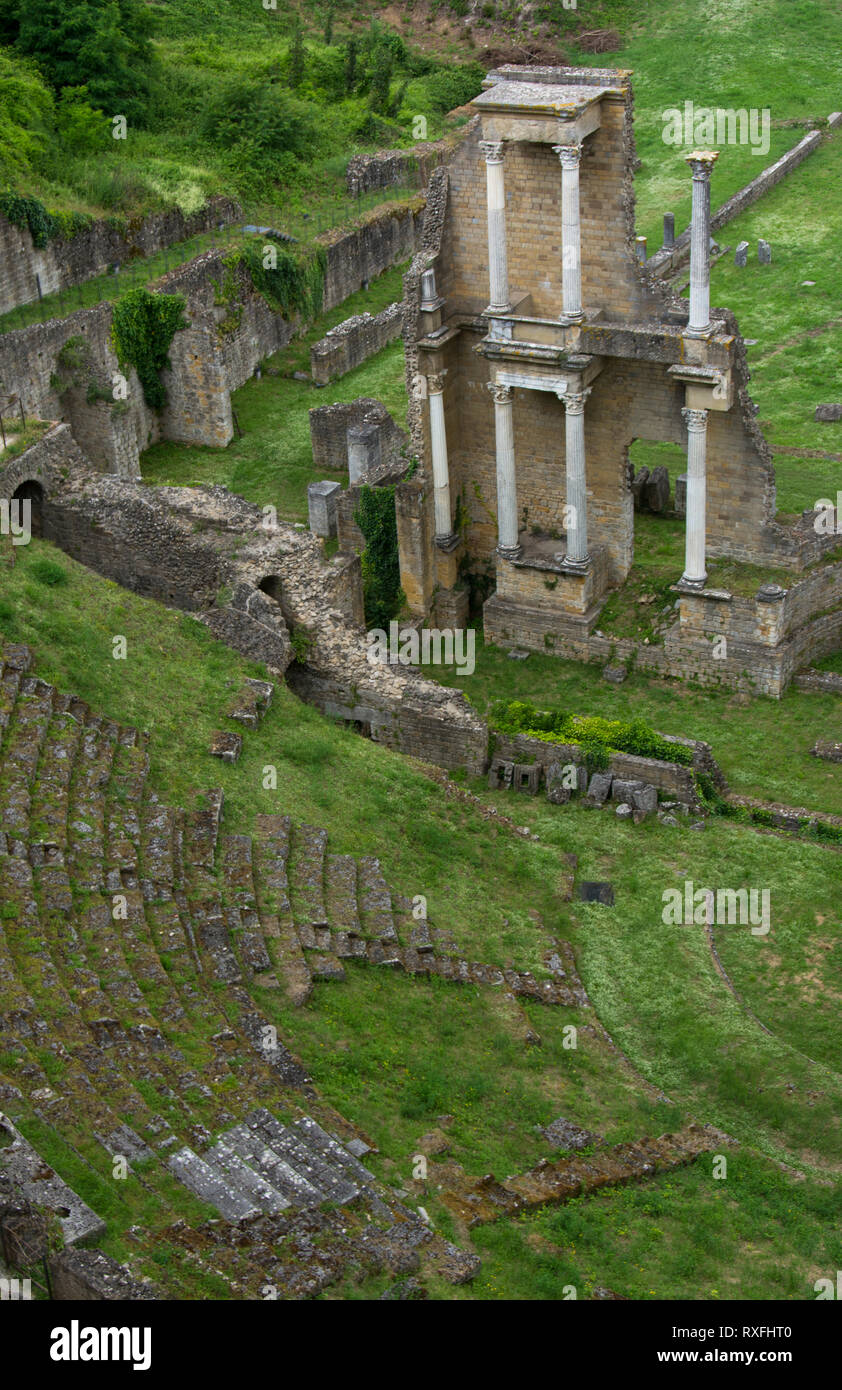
[(599, 737)]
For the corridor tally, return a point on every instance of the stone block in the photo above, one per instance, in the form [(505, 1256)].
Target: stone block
[(364, 452), (596, 893), (764, 252), (741, 254), (824, 748), (657, 491), (615, 675), (599, 788), (623, 789), (527, 778), (639, 482), (500, 774), (322, 504), (645, 799), (828, 414), (562, 779), (681, 495), (227, 745)]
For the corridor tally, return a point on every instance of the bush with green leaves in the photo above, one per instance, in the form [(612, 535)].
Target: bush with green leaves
[(383, 596), (591, 731), (142, 329), (26, 116), (103, 45)]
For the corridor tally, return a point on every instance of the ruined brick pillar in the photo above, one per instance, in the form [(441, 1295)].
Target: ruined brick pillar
[(571, 234), (498, 265), (701, 162), (695, 573), (507, 526)]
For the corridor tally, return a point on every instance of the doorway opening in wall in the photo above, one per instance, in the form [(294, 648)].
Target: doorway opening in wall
[(271, 585), (644, 608), (33, 493)]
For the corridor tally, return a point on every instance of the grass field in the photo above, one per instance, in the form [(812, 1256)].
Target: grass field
[(397, 1054)]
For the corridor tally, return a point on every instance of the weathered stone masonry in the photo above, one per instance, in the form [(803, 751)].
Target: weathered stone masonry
[(556, 349)]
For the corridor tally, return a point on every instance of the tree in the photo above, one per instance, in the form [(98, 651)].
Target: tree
[(329, 25), (26, 116), (103, 45), (297, 57), (351, 67), (381, 76)]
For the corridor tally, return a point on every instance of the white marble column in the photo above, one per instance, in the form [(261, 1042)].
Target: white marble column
[(507, 522), (576, 488), (695, 574), (571, 232), (701, 162), (498, 265), (438, 442)]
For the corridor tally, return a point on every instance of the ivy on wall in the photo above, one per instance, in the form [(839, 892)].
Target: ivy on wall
[(42, 225), (382, 593), (294, 284), (142, 329)]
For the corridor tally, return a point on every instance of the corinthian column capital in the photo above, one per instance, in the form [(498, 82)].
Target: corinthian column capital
[(701, 162), (435, 382), (494, 150), (502, 394), (695, 420), (574, 401), (569, 155)]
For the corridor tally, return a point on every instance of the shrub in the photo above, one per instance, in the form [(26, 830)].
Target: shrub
[(382, 593), (48, 572), (591, 731), (295, 285)]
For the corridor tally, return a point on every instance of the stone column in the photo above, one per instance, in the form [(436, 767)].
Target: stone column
[(441, 476), (498, 266), (695, 574), (507, 523), (701, 162), (571, 235), (576, 488)]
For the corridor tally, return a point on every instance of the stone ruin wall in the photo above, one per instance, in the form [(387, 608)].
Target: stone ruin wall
[(62, 263), (208, 362), (352, 342), (392, 168), (205, 551)]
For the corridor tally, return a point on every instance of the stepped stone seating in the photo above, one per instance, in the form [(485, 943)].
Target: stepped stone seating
[(131, 937), (35, 1181)]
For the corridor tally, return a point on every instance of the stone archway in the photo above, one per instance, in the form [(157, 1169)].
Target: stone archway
[(33, 493)]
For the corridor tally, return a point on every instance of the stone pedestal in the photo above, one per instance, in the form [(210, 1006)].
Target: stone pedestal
[(322, 502), (364, 452)]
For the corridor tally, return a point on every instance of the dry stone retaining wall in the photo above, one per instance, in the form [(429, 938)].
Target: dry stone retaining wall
[(64, 262)]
